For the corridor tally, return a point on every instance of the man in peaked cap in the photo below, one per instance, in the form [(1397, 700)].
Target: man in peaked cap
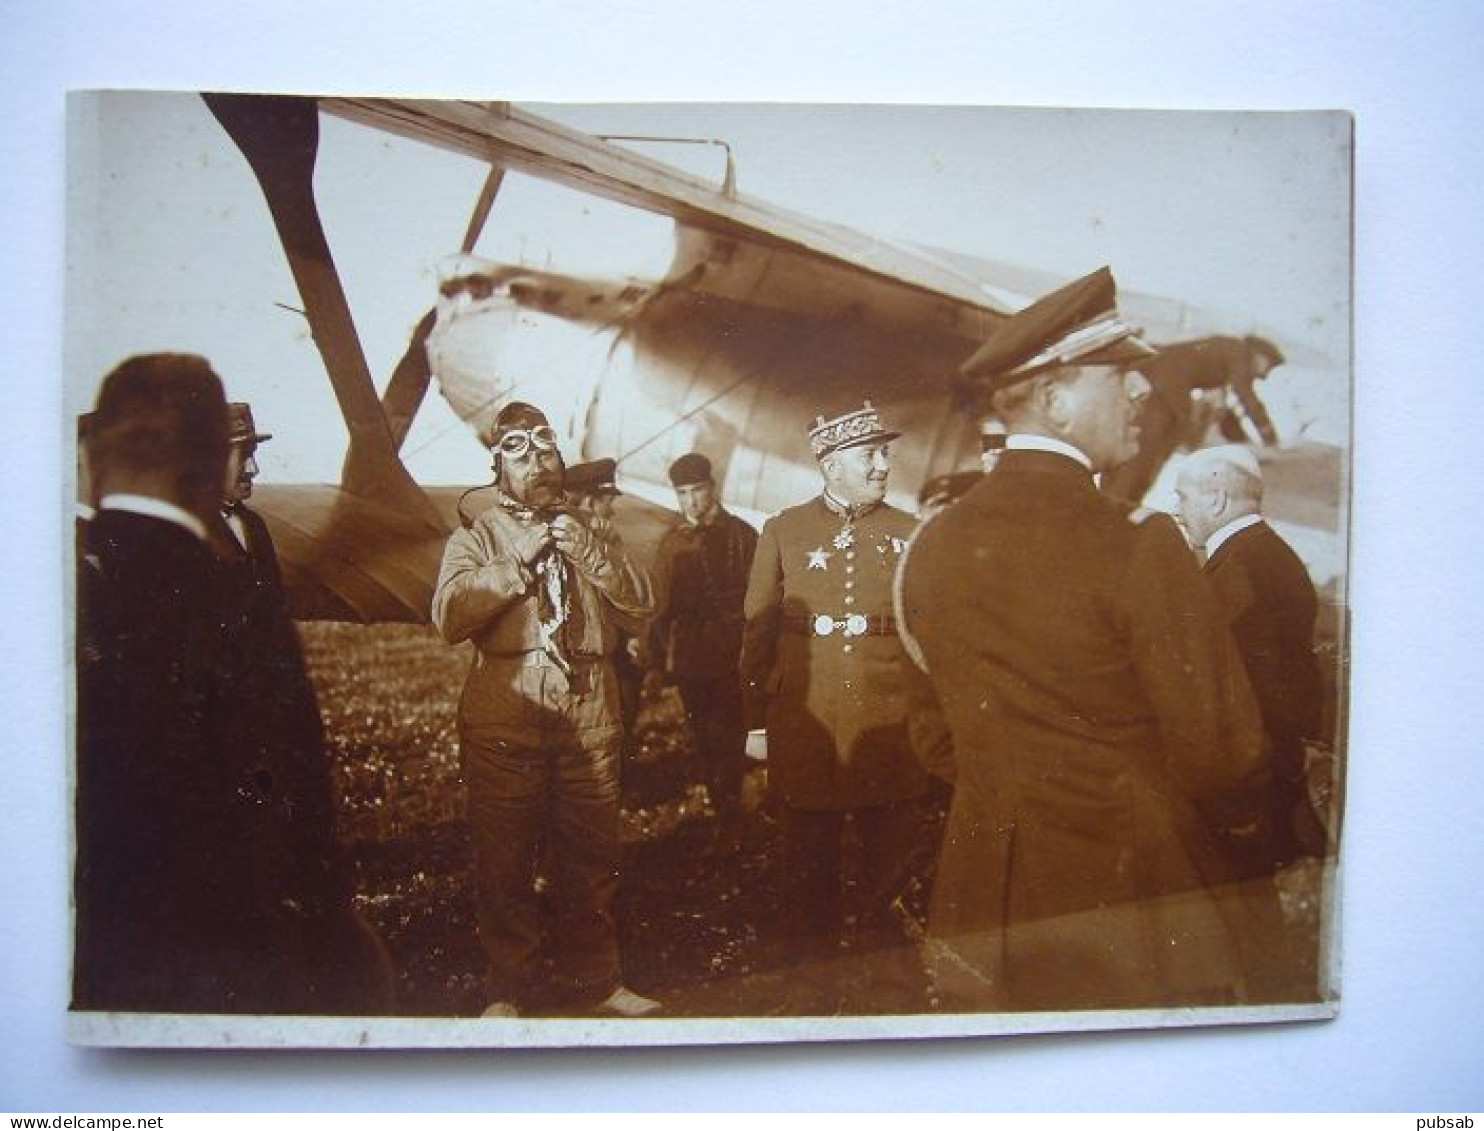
[(1092, 693), (823, 663), (593, 488), (539, 593), (695, 638)]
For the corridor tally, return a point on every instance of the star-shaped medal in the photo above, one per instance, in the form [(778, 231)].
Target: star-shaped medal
[(819, 558)]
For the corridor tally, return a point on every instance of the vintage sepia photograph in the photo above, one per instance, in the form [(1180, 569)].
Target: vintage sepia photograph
[(647, 574)]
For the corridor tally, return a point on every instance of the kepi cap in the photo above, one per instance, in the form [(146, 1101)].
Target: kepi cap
[(862, 426), (242, 430), (596, 477), (1076, 325), (690, 469)]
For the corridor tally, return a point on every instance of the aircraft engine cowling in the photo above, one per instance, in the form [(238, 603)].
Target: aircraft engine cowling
[(486, 350)]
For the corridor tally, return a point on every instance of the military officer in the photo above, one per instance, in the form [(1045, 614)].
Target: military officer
[(821, 653), (1094, 697)]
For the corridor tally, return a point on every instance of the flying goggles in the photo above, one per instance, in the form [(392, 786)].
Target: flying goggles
[(518, 441)]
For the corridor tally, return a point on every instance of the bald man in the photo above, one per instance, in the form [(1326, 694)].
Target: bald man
[(1269, 602)]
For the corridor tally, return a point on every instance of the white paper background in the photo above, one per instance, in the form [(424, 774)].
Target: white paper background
[(1411, 1033)]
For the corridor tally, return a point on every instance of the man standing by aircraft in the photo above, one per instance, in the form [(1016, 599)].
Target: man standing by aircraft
[(593, 487), (695, 638), (1093, 695), (278, 720), (205, 875), (1231, 367), (537, 592), (820, 650)]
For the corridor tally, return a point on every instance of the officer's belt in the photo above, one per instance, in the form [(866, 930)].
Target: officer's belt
[(852, 624)]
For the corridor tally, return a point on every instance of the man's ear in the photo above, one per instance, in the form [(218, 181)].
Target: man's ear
[(1055, 401), (1220, 500)]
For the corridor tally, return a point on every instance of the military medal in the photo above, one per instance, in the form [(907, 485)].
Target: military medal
[(846, 538), (819, 558)]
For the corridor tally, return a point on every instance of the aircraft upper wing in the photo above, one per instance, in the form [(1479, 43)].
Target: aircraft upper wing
[(916, 287)]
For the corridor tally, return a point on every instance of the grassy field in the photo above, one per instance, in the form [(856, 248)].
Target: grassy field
[(697, 913), (689, 907)]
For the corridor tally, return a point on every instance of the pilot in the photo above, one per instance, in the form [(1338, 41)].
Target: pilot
[(823, 666), (538, 592), (695, 637), (204, 876), (1091, 691)]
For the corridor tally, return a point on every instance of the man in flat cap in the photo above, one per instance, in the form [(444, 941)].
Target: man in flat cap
[(537, 592), (821, 651), (1092, 693), (1226, 366), (695, 638)]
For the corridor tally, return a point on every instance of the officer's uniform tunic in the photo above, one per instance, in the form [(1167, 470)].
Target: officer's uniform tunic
[(821, 646)]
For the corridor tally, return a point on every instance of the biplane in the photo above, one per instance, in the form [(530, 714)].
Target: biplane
[(762, 319)]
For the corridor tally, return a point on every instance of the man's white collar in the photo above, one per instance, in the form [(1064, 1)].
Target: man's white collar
[(1030, 442), (151, 507), (1235, 526)]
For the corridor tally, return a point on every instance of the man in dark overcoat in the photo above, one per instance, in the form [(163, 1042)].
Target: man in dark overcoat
[(272, 711), (695, 638), (1268, 601), (1091, 691), (821, 653), (196, 886)]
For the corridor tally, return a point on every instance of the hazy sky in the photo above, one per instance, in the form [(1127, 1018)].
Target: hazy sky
[(170, 246)]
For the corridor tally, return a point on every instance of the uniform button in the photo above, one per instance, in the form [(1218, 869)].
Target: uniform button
[(848, 648), (849, 555), (849, 600)]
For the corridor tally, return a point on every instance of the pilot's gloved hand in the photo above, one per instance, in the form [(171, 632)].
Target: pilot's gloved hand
[(577, 544)]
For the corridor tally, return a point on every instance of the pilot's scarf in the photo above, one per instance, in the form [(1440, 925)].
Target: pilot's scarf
[(554, 582)]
